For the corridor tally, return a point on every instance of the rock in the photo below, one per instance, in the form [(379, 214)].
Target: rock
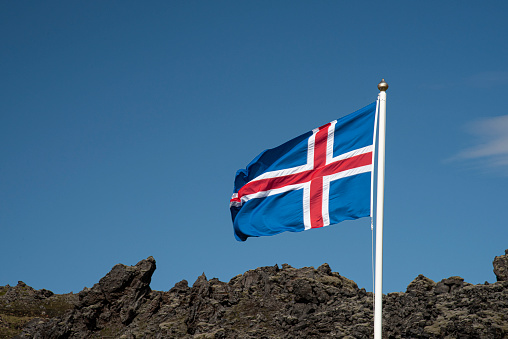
[(111, 303), (180, 287), (302, 289), (325, 269), (421, 285), (22, 305), (269, 302), (501, 267), (449, 285)]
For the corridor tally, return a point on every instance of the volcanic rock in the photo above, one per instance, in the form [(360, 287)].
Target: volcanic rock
[(268, 302), (501, 267)]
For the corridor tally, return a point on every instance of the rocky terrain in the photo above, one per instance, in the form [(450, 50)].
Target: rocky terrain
[(268, 302)]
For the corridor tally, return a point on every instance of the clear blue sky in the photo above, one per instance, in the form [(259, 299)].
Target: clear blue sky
[(122, 124)]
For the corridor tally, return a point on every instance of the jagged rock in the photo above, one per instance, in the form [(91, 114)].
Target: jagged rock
[(501, 267), (113, 302), (273, 302), (21, 304), (449, 285), (421, 285)]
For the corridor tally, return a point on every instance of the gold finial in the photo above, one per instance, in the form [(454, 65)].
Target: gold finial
[(382, 86)]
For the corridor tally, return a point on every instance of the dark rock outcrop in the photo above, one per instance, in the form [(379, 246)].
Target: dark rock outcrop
[(501, 267), (274, 302), (21, 303), (106, 308)]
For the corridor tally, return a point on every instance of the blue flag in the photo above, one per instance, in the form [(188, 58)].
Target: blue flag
[(317, 179)]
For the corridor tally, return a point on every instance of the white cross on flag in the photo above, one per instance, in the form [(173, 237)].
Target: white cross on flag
[(319, 178)]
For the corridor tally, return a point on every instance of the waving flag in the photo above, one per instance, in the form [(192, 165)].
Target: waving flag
[(319, 178)]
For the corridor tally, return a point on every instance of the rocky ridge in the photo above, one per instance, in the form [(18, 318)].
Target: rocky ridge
[(268, 302)]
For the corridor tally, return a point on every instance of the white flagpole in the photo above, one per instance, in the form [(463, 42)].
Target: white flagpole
[(378, 293)]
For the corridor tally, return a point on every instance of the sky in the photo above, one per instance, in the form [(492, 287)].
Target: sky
[(123, 123)]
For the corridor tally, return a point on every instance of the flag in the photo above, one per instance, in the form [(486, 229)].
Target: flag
[(317, 179)]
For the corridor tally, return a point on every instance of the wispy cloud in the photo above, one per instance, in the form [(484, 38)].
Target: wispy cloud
[(490, 136), (487, 79)]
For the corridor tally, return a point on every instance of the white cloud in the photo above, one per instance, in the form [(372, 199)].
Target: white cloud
[(491, 144)]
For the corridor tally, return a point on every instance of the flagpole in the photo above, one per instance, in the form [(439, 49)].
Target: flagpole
[(378, 293)]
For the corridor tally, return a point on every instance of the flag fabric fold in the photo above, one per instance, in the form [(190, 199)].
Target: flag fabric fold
[(317, 179)]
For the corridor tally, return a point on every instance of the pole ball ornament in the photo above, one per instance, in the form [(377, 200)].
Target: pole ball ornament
[(382, 86)]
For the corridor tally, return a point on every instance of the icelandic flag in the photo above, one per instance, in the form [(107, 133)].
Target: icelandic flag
[(319, 178)]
